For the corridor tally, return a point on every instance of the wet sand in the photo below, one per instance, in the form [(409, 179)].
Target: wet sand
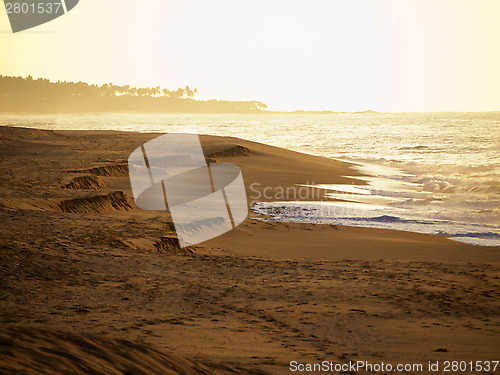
[(80, 273)]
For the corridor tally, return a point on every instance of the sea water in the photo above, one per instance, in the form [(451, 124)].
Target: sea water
[(426, 172)]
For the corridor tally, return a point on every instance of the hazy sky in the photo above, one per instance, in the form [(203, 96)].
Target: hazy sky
[(386, 55)]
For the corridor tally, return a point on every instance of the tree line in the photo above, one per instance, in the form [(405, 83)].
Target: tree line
[(29, 95)]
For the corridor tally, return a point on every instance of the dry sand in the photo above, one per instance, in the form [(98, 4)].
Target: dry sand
[(85, 289)]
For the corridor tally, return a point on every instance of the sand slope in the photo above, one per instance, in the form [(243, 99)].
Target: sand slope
[(35, 351), (76, 282)]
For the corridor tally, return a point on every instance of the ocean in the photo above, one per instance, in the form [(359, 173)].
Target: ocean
[(428, 172)]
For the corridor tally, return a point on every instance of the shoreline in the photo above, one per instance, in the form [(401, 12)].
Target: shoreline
[(253, 299), (257, 113), (270, 167)]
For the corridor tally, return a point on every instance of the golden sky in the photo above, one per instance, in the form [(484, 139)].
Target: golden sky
[(345, 55)]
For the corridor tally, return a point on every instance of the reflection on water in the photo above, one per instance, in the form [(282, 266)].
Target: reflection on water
[(444, 167)]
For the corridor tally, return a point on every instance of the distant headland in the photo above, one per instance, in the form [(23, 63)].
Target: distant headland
[(27, 95)]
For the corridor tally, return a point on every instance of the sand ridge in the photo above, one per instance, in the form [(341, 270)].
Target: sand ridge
[(36, 351)]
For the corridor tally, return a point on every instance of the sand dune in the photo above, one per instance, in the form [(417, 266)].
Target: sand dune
[(35, 351), (116, 201), (115, 170), (85, 183), (236, 150)]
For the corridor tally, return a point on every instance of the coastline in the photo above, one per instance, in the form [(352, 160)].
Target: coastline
[(100, 273)]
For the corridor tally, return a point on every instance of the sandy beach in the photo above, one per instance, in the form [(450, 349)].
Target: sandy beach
[(86, 285)]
